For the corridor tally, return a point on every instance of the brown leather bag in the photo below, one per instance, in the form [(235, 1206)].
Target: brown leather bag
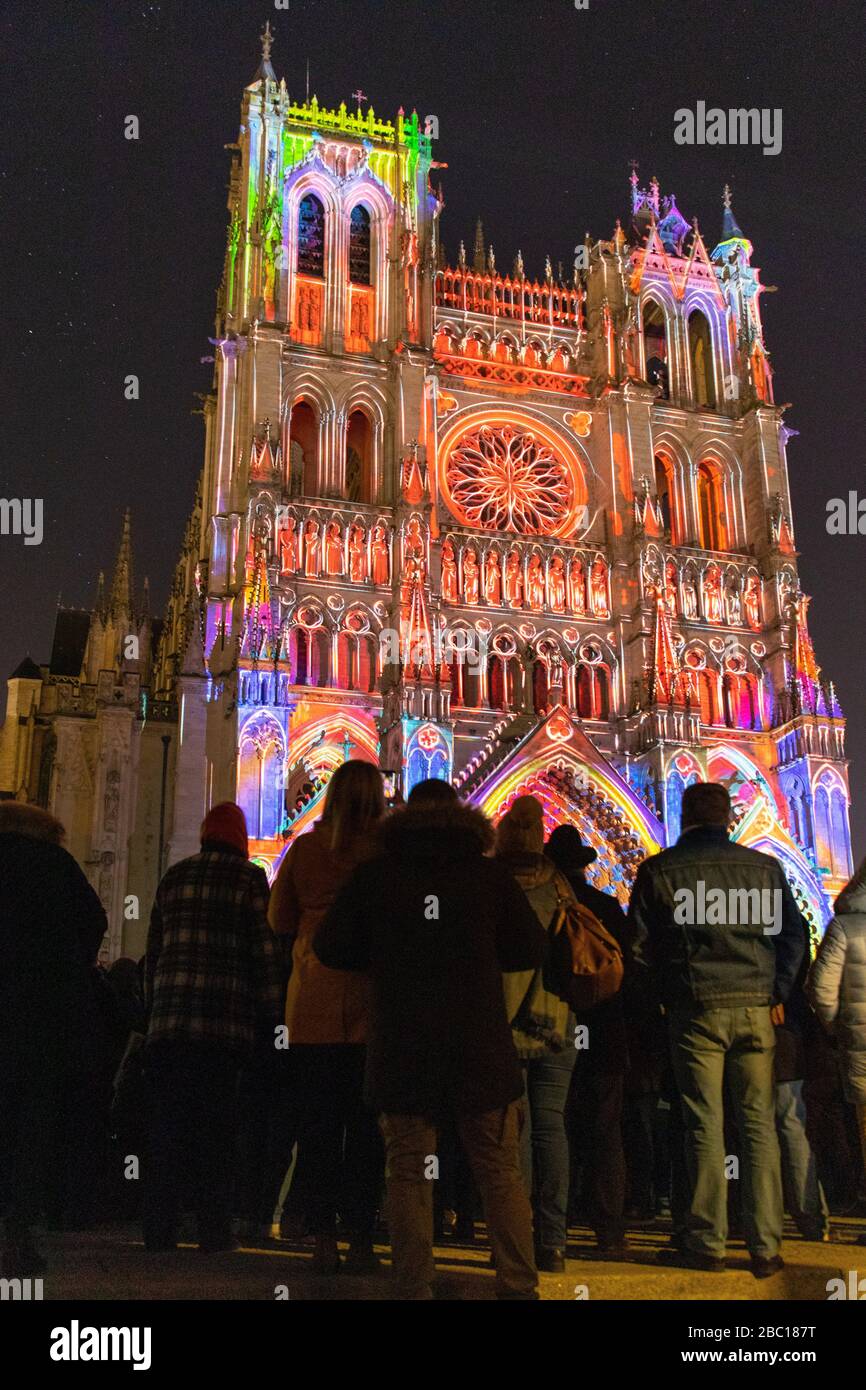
[(585, 964)]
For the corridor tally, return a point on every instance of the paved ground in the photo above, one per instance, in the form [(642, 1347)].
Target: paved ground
[(110, 1263)]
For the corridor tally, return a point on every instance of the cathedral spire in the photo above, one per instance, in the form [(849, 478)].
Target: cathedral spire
[(732, 235), (121, 584), (478, 255), (265, 68)]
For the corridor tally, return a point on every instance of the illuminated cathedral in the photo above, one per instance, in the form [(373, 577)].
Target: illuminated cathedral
[(527, 532)]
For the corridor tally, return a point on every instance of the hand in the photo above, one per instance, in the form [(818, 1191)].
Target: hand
[(777, 1015)]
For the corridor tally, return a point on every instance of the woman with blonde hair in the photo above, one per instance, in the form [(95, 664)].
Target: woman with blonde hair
[(340, 1154)]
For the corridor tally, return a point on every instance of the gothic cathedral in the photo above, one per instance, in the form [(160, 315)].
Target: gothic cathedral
[(529, 534)]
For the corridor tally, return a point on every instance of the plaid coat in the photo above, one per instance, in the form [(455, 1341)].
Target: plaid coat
[(212, 967)]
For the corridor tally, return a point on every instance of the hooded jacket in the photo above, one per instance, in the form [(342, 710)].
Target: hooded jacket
[(436, 923), (836, 987), (539, 1017)]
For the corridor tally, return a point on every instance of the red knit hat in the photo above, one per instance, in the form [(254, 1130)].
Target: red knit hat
[(226, 825)]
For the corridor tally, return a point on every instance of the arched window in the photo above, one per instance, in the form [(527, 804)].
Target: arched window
[(674, 788), (299, 655), (839, 835), (496, 682), (655, 344), (311, 236), (359, 246), (701, 354), (359, 458), (663, 492), (823, 837), (710, 507), (585, 692), (303, 451), (260, 777)]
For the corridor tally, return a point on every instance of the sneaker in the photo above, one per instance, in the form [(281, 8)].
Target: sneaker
[(691, 1259), (550, 1261), (764, 1268)]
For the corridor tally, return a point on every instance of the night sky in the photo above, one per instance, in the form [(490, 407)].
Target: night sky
[(113, 249)]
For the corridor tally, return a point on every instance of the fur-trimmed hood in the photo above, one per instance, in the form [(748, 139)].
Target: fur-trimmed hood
[(447, 828), (19, 818)]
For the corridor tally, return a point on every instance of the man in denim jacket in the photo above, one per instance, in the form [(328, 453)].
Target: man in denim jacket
[(717, 925)]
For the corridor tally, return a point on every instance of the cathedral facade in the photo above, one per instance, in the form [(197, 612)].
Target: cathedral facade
[(528, 533)]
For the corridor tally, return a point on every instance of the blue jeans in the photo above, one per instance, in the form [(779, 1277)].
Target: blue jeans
[(544, 1144), (708, 1048), (806, 1200)]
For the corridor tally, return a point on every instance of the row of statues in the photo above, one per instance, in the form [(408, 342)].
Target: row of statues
[(330, 548), (573, 588), (717, 603)]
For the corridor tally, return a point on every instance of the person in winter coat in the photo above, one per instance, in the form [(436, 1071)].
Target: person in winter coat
[(718, 928), (436, 923), (543, 1036), (594, 1112), (836, 989), (213, 987), (327, 1016), (51, 926)]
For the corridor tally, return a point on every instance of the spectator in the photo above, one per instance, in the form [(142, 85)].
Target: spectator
[(543, 1037), (436, 923), (51, 926), (836, 988), (595, 1106), (327, 1015), (719, 972), (213, 988), (795, 1028)]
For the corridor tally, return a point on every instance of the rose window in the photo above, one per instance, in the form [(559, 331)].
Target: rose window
[(503, 478)]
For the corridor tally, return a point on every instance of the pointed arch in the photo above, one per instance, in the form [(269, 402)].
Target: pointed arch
[(701, 360)]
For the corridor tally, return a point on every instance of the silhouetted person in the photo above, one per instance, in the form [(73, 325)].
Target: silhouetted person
[(51, 926), (436, 924), (595, 1106), (543, 1036), (718, 926), (836, 988), (213, 987), (327, 1015)]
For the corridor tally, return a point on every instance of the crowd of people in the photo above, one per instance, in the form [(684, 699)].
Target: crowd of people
[(427, 1020)]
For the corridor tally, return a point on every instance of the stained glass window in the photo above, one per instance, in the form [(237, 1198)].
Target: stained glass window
[(311, 236), (359, 246)]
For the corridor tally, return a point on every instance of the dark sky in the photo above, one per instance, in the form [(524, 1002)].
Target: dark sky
[(112, 249)]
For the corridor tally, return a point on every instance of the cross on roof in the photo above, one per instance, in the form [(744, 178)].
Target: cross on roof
[(359, 96)]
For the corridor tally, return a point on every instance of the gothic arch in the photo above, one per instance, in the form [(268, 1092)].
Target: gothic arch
[(261, 764), (702, 354)]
